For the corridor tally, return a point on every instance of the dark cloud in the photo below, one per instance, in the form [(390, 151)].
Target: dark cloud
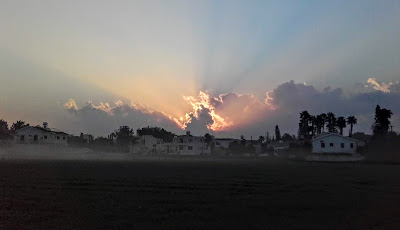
[(234, 114), (102, 119)]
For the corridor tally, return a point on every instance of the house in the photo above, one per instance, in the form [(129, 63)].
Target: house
[(40, 135), (192, 145), (333, 143), (150, 143)]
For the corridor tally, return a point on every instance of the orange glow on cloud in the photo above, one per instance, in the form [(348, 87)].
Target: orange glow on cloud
[(198, 104)]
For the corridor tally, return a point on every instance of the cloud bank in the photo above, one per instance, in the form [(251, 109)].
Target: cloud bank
[(233, 114)]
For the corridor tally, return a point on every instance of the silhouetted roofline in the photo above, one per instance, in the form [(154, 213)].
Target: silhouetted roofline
[(323, 135)]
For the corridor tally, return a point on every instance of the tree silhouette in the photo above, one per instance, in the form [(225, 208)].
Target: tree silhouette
[(351, 120), (324, 119), (382, 122), (319, 123), (3, 125), (287, 137), (261, 139), (208, 139), (156, 132), (331, 122), (124, 136), (341, 124), (304, 128), (277, 133), (18, 125)]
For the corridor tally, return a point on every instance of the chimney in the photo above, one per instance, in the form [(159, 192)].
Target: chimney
[(188, 133), (45, 124)]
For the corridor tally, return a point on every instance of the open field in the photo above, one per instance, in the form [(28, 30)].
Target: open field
[(197, 194)]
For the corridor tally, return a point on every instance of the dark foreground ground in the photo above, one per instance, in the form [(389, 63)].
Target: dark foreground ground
[(198, 194)]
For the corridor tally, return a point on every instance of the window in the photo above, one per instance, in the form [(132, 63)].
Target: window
[(331, 144), (190, 147), (351, 145), (342, 145), (181, 140), (180, 147), (35, 138), (64, 138), (22, 138), (322, 145), (45, 137), (58, 137)]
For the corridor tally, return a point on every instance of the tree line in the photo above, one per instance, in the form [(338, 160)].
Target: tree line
[(312, 125)]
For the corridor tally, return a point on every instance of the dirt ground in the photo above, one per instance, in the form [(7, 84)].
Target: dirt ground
[(197, 194)]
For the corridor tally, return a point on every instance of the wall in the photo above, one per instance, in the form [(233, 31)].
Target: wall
[(29, 134), (197, 144), (336, 140)]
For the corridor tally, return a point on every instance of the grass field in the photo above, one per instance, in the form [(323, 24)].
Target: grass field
[(197, 194)]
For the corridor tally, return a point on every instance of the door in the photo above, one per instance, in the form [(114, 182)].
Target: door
[(35, 138)]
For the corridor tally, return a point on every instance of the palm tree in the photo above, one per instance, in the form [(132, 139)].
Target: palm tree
[(331, 122), (341, 123), (351, 120), (323, 121), (319, 123)]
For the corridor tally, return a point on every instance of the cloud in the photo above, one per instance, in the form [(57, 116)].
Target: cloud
[(71, 105), (103, 118), (233, 114), (380, 86)]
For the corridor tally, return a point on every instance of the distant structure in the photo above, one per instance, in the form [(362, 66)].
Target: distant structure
[(148, 143), (333, 143), (223, 142), (88, 138), (40, 135), (192, 145)]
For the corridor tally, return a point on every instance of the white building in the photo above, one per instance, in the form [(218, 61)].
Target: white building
[(192, 145), (40, 135), (333, 143)]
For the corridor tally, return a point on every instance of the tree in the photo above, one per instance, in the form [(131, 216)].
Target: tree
[(304, 128), (267, 137), (124, 136), (208, 139), (18, 125), (324, 119), (331, 122), (313, 127), (341, 123), (320, 122), (156, 132), (277, 133), (287, 137), (261, 139), (351, 120), (3, 125), (382, 122)]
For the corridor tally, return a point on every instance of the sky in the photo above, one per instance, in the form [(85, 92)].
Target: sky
[(224, 67)]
